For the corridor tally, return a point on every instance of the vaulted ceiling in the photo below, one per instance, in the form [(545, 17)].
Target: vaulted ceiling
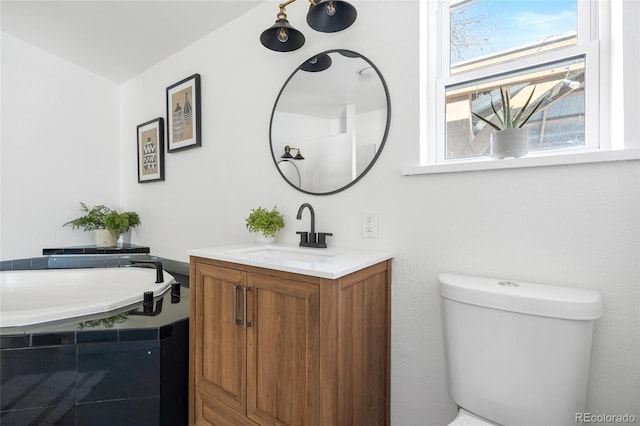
[(116, 39)]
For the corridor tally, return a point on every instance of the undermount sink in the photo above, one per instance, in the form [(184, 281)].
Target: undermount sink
[(319, 262), (286, 253)]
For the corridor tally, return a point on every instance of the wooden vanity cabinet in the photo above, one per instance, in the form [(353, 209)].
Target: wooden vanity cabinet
[(277, 348)]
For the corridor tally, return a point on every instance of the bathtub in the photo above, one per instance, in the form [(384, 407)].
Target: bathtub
[(39, 296)]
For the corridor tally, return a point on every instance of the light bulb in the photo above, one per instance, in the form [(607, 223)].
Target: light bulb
[(331, 8), (283, 35)]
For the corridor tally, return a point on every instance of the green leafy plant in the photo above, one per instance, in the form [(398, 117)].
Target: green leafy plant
[(508, 118), (269, 222), (102, 217)]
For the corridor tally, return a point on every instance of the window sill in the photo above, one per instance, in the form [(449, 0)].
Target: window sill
[(471, 165)]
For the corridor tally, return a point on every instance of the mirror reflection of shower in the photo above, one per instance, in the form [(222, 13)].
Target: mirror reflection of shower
[(337, 115)]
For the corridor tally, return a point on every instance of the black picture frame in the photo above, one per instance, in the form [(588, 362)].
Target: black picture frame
[(150, 158), (183, 114)]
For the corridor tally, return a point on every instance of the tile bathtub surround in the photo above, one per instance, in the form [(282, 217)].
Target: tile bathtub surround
[(91, 249), (60, 374), (47, 385), (22, 264), (64, 261), (90, 383), (71, 261)]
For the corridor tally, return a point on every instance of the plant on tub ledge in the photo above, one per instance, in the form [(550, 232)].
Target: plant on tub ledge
[(266, 223), (511, 139), (106, 223)]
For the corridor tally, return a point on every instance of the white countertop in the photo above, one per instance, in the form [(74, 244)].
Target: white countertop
[(318, 262)]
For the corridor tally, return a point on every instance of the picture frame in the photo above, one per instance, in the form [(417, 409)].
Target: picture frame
[(151, 150), (183, 114)]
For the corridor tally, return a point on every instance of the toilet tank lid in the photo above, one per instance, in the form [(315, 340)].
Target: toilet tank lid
[(522, 297)]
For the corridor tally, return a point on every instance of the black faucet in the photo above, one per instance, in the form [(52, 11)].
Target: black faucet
[(152, 263), (311, 239)]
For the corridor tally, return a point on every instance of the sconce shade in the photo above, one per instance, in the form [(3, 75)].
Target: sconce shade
[(321, 19), (269, 37), (317, 63), (287, 153)]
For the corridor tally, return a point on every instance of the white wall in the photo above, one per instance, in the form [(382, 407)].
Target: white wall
[(59, 147), (572, 225)]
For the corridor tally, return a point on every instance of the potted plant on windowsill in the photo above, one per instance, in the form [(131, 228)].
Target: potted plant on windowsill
[(510, 139), (266, 223), (106, 223)]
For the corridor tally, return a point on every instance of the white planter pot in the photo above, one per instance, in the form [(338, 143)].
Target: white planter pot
[(264, 240), (509, 143), (104, 238)]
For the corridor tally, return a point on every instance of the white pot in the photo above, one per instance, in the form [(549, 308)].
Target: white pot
[(509, 143), (264, 240), (104, 238)]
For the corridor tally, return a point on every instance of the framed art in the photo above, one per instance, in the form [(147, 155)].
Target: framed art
[(151, 150), (183, 114)]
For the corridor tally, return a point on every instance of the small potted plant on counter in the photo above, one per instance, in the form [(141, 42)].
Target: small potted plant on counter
[(106, 223), (266, 223), (510, 138)]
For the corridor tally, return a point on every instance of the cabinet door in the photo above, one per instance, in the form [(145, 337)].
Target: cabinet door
[(283, 343), (220, 356)]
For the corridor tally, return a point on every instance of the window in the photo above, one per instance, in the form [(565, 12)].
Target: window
[(559, 123), (545, 51)]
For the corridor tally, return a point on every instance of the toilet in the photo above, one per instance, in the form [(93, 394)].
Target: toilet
[(517, 353)]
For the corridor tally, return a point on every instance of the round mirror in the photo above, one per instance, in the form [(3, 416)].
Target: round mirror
[(330, 122)]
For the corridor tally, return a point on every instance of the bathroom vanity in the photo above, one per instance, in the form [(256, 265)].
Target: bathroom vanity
[(289, 336)]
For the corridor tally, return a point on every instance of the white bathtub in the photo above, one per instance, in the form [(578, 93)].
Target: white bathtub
[(38, 296)]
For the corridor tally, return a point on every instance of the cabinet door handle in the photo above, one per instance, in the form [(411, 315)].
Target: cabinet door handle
[(244, 307), (236, 320)]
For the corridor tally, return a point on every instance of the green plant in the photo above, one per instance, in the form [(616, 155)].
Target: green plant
[(102, 217), (508, 119), (269, 222)]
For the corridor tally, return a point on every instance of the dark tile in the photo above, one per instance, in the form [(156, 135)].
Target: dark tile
[(61, 415), (20, 264), (68, 418), (40, 263), (119, 370), (120, 248), (97, 336), (7, 342), (5, 265), (111, 261), (53, 339), (174, 380), (166, 331), (80, 262), (138, 412), (56, 262), (139, 334), (37, 377)]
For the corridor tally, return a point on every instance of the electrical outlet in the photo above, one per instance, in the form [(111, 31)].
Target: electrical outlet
[(370, 225)]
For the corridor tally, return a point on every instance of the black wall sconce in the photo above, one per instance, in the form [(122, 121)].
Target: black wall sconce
[(317, 63), (327, 16), (287, 153)]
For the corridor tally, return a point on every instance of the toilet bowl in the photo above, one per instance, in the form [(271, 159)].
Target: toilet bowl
[(516, 353), (465, 418)]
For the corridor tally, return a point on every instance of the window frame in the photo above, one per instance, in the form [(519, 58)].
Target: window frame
[(593, 35)]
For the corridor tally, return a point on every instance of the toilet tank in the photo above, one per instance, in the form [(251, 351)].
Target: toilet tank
[(518, 353)]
